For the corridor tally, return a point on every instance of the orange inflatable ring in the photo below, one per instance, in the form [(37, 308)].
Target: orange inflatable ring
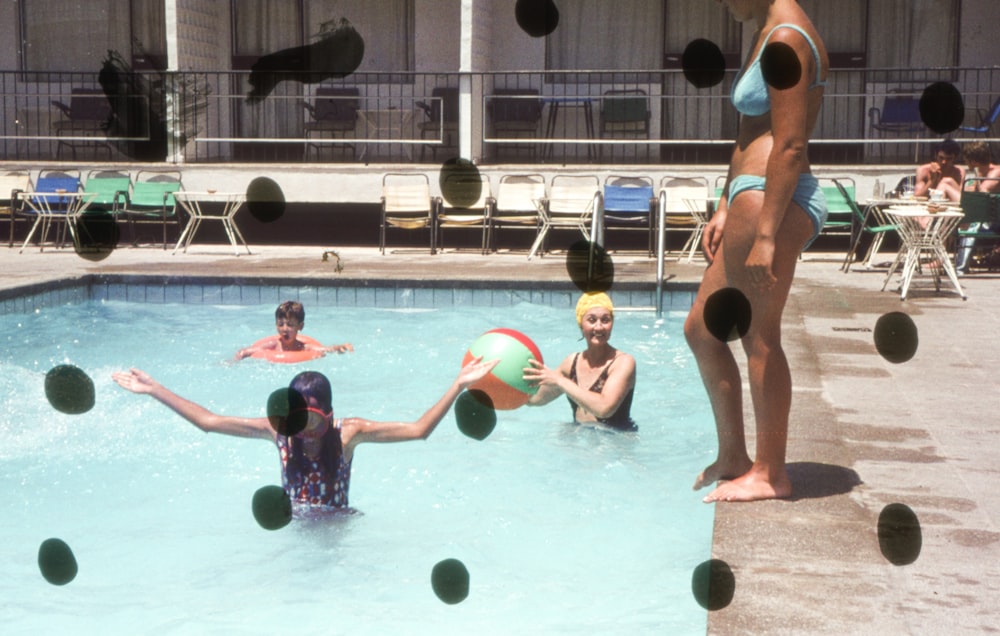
[(287, 357)]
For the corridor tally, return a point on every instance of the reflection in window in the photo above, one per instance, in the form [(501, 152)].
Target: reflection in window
[(76, 36), (266, 26)]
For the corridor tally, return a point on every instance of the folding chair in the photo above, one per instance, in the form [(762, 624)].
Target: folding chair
[(840, 216), (863, 226), (13, 183), (52, 201), (465, 213), (685, 209), (88, 114), (570, 205), (630, 204), (407, 204), (151, 201), (516, 204)]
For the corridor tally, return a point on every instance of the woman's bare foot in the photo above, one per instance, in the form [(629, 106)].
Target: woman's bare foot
[(720, 470), (755, 485)]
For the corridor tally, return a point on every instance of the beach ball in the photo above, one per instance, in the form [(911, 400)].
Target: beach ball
[(504, 385)]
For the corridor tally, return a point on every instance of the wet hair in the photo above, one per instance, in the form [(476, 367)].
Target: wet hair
[(978, 152), (948, 147), (316, 385), (290, 309)]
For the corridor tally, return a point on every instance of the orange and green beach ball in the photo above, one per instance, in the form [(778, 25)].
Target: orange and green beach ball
[(504, 387)]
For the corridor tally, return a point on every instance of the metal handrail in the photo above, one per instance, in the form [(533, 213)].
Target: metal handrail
[(660, 246)]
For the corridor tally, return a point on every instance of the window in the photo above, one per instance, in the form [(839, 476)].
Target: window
[(924, 33), (600, 35), (387, 27), (842, 26), (76, 36), (266, 26), (687, 21)]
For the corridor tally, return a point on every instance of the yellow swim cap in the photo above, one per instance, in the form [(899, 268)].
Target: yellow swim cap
[(590, 300)]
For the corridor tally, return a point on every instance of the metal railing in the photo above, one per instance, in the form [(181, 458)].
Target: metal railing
[(514, 117)]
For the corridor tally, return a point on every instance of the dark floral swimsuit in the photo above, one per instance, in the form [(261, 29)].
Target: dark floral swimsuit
[(621, 419), (315, 486)]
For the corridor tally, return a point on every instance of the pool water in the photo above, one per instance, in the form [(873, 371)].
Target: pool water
[(563, 528)]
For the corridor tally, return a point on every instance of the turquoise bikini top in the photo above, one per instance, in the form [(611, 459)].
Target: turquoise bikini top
[(749, 93)]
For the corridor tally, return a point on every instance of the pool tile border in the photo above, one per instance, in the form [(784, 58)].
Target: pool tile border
[(412, 294)]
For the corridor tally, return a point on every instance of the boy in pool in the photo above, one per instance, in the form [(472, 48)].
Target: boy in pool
[(289, 318), (316, 450)]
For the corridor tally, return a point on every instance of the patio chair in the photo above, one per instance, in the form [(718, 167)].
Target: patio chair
[(110, 189), (442, 119), (986, 120), (407, 204), (570, 205), (475, 215), (151, 201), (625, 112), (980, 229), (840, 216), (630, 204), (49, 210), (515, 112), (685, 209), (515, 204), (899, 116), (88, 114), (333, 114), (863, 225), (12, 183)]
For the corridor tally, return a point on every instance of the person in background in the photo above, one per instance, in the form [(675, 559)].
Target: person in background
[(289, 319), (942, 174), (600, 381), (983, 176)]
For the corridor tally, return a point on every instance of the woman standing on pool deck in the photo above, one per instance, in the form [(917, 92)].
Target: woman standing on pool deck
[(753, 241), (598, 382), (316, 462)]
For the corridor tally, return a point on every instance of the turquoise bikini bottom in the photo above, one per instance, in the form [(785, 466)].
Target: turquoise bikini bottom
[(808, 194)]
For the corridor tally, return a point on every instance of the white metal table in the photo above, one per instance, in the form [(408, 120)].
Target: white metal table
[(232, 202), (50, 207), (923, 230)]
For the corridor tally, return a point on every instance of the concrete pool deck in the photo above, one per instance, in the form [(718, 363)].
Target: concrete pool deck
[(864, 432)]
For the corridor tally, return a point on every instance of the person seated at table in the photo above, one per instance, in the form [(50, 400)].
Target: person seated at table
[(289, 318), (987, 179), (942, 174)]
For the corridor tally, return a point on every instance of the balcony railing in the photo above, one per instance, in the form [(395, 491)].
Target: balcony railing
[(869, 116)]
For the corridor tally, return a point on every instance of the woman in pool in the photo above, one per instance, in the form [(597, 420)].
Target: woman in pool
[(770, 210), (315, 460), (608, 374)]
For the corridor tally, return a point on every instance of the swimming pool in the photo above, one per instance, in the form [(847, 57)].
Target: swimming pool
[(563, 529)]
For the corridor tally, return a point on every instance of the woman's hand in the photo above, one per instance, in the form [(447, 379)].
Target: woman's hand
[(759, 262), (540, 375), (135, 381), (711, 238)]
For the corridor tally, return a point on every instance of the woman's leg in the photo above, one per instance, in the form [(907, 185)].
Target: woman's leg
[(721, 376), (769, 375)]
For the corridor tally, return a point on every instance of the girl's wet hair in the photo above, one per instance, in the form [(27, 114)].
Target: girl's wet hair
[(311, 384), (316, 385)]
